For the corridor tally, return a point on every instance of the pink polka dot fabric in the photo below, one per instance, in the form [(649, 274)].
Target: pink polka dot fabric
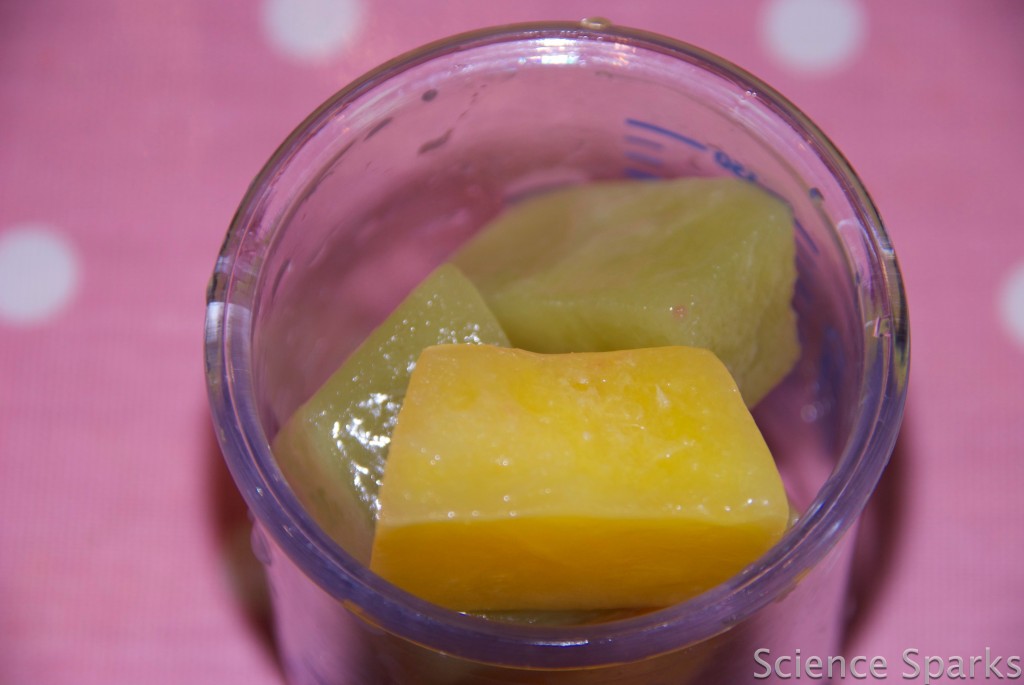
[(128, 134)]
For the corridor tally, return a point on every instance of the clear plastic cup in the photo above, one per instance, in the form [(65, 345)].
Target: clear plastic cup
[(380, 185)]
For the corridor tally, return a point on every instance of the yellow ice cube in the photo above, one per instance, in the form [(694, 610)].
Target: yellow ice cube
[(518, 480)]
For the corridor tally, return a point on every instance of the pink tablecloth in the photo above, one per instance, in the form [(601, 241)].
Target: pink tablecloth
[(128, 133)]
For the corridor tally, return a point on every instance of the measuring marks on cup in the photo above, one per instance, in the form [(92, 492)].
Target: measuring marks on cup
[(646, 144)]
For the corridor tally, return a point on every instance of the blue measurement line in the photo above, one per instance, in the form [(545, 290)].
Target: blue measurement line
[(639, 174), (801, 265), (666, 132), (801, 293), (801, 231), (806, 236), (641, 158), (643, 142)]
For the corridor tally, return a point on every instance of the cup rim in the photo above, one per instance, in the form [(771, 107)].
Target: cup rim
[(839, 502)]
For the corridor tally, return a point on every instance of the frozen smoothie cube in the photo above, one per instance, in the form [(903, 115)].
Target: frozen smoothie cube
[(621, 265), (524, 481), (333, 448)]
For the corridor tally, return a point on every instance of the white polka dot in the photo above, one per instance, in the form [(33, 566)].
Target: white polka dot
[(1011, 304), (813, 35), (311, 30), (38, 273)]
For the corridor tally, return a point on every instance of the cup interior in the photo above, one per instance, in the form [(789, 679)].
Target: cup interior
[(386, 180)]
